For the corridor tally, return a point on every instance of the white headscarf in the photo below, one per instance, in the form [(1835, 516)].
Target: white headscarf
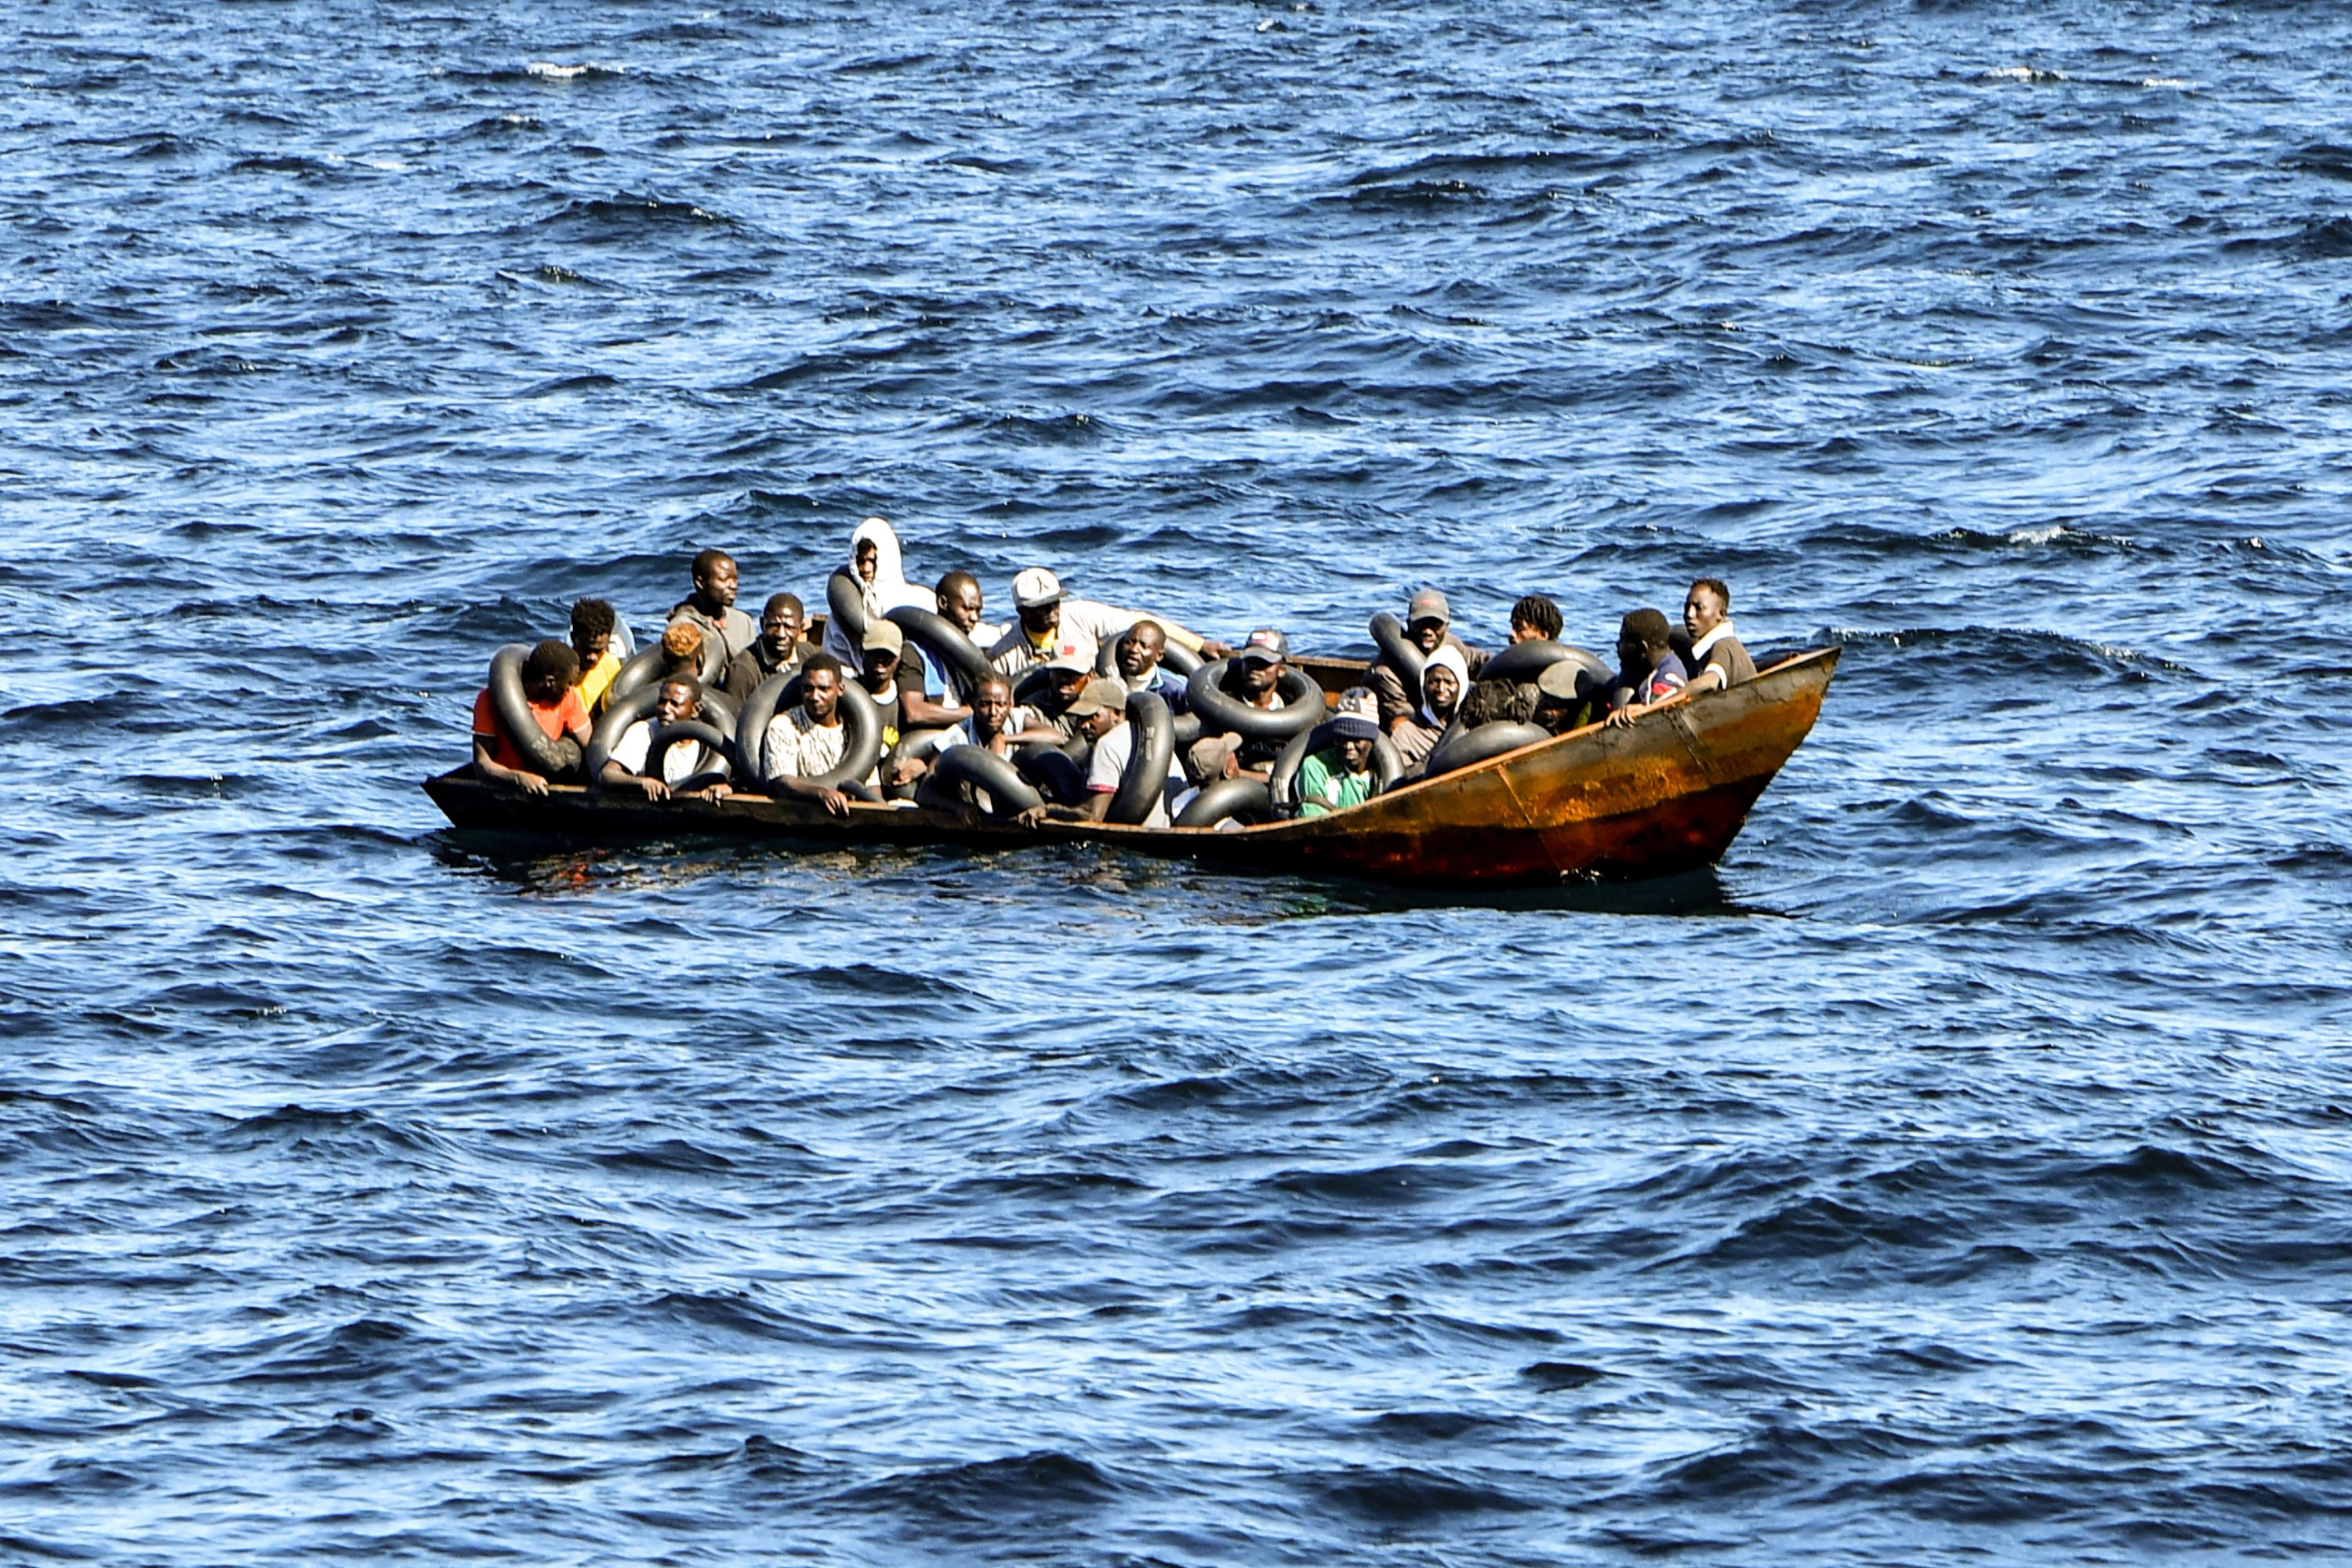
[(1450, 656), (889, 591)]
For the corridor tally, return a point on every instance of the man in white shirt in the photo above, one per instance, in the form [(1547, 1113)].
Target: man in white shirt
[(811, 739), (1053, 624), (1100, 712), (680, 699)]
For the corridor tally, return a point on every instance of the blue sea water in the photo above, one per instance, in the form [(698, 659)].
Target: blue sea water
[(1962, 1173)]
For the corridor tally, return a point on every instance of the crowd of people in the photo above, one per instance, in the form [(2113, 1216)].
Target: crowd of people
[(1050, 690)]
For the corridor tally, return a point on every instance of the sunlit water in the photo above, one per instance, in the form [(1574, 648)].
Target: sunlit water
[(1962, 1172)]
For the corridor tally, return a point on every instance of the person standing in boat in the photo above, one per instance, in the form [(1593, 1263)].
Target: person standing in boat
[(777, 650), (549, 674), (1428, 626), (1340, 774), (1443, 679), (809, 740), (1717, 659), (1648, 672), (1052, 622), (681, 700), (592, 641), (1252, 676), (711, 606), (876, 572)]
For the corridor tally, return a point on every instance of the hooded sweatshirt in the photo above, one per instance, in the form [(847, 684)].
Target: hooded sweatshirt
[(889, 591)]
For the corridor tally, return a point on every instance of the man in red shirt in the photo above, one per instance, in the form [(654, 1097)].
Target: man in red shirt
[(548, 676)]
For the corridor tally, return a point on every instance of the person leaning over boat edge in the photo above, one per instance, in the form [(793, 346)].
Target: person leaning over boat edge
[(1648, 673), (1050, 622), (809, 740), (1340, 774), (680, 698), (1428, 623), (1716, 661), (592, 640), (548, 673), (779, 650), (711, 605)]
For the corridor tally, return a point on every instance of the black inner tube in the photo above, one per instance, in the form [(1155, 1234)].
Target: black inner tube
[(1302, 705), (1244, 798), (1034, 680), (1523, 661), (961, 770), (844, 596), (1282, 782), (665, 736), (556, 756), (958, 658), (861, 748), (1400, 653), (1144, 781), (639, 671), (1459, 748), (619, 714), (1182, 660)]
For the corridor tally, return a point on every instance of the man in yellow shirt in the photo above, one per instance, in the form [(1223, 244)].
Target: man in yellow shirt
[(592, 639)]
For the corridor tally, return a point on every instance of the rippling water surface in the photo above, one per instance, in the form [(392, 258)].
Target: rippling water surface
[(1963, 1172)]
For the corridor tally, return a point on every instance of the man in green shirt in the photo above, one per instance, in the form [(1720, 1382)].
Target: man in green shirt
[(1340, 774)]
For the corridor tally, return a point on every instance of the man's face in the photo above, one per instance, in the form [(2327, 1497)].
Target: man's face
[(1426, 634), (881, 668), (780, 629), (1442, 689), (820, 694), (961, 606), (1260, 676), (869, 559), (1522, 632), (1041, 621), (1702, 613), (991, 705), (1356, 750), (1067, 684), (676, 702), (591, 648), (717, 584), (1140, 651), (1097, 725), (1629, 654)]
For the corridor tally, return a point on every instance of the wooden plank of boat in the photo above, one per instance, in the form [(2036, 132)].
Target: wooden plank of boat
[(1666, 793)]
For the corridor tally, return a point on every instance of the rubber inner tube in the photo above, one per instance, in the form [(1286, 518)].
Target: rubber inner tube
[(1058, 774), (640, 671), (619, 714), (1025, 690), (1182, 660), (1186, 728), (1523, 661), (1302, 705), (1459, 748), (961, 770), (844, 596), (862, 747), (553, 756), (1282, 782), (1242, 798), (665, 736), (1143, 782), (751, 724), (958, 658), (1400, 653)]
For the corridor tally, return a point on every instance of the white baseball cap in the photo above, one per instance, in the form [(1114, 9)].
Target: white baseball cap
[(1033, 586)]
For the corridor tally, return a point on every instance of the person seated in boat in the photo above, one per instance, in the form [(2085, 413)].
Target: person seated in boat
[(1340, 774), (1648, 673), (1101, 710), (548, 673), (1535, 619), (1139, 656), (896, 684), (1065, 677), (1499, 703), (1052, 622), (681, 650), (994, 720), (1716, 659), (592, 640), (1563, 698), (1428, 626), (680, 699), (711, 605), (809, 740), (1443, 681), (779, 650), (1252, 676), (961, 606), (877, 571)]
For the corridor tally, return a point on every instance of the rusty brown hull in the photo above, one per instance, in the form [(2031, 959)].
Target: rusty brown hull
[(1666, 794)]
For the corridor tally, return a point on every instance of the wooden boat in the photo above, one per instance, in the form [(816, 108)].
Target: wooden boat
[(1664, 794)]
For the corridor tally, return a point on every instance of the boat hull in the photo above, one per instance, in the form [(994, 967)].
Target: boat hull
[(1666, 794)]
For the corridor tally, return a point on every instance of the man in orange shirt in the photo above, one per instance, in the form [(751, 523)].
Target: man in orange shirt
[(548, 676)]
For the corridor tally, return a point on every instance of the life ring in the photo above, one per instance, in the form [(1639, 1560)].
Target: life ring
[(1459, 748), (1400, 653), (958, 656), (619, 714), (1523, 661), (1143, 782), (861, 748), (961, 769), (1182, 660), (1282, 782), (554, 756), (640, 671), (1302, 705), (1031, 681), (1058, 773), (846, 598), (709, 735), (1244, 798)]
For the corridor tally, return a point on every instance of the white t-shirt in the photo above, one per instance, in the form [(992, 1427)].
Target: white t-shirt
[(1085, 626), (1110, 763), (680, 763), (960, 734)]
